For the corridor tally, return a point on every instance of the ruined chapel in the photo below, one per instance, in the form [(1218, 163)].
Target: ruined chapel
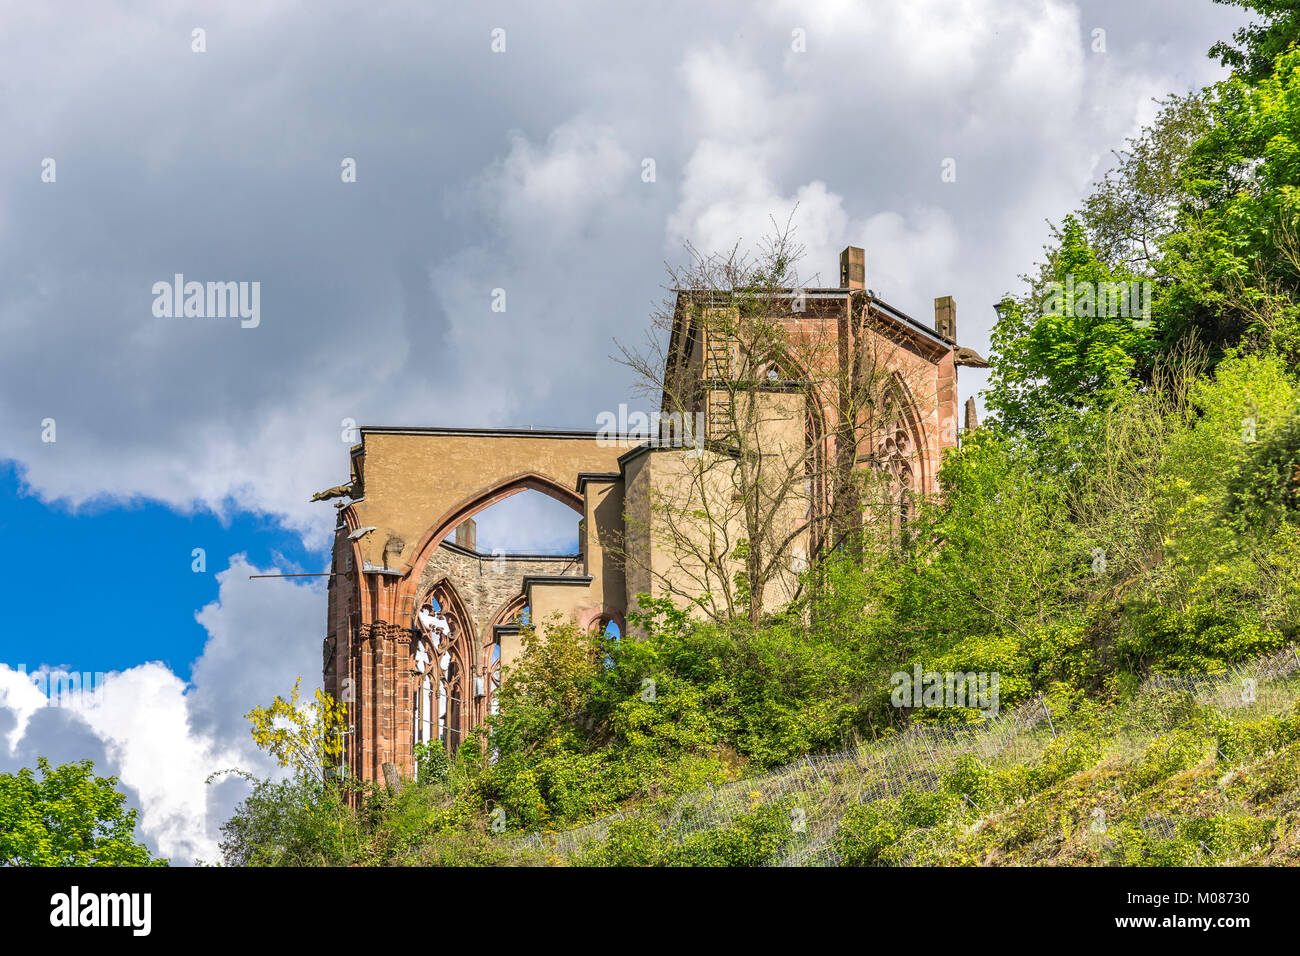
[(421, 622)]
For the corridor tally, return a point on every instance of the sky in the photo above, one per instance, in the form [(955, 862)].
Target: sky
[(502, 152)]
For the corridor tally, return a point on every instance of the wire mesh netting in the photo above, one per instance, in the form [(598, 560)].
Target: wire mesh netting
[(1232, 687), (817, 789)]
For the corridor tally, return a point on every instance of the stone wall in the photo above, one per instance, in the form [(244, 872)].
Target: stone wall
[(412, 487), (488, 584)]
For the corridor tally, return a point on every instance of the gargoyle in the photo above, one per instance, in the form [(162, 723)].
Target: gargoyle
[(970, 358), (338, 491)]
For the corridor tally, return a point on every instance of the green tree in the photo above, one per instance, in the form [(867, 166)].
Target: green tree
[(304, 737), (1066, 346), (67, 817), (301, 821), (1136, 204), (1259, 44), (1233, 263), (304, 820)]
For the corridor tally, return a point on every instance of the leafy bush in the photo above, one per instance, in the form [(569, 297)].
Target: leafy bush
[(297, 822), (750, 839), (432, 765), (1203, 638), (67, 817), (1165, 756)]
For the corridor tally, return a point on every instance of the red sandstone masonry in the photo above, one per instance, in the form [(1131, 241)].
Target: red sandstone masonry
[(420, 486)]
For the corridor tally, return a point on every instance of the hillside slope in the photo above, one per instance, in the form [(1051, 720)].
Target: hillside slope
[(1190, 771)]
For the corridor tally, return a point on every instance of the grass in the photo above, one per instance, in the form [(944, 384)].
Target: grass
[(1156, 778)]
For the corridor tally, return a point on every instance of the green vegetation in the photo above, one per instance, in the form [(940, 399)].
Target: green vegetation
[(67, 817), (1132, 508), (1122, 547), (1161, 781)]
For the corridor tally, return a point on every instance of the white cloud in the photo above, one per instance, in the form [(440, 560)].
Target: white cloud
[(552, 212), (528, 523), (163, 739), (558, 187)]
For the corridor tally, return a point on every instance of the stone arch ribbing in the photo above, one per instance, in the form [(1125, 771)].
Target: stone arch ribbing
[(467, 508)]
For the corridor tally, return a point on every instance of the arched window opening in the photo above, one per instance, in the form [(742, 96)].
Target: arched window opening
[(443, 676), (606, 626), (493, 678), (527, 522), (610, 632)]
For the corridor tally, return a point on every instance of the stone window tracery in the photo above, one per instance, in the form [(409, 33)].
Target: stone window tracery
[(443, 701), (897, 447)]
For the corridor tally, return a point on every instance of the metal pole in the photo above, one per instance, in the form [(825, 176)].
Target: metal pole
[(324, 574)]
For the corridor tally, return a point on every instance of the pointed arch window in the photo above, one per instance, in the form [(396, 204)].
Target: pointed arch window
[(443, 702), (897, 448)]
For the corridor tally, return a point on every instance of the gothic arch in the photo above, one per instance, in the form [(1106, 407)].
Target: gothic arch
[(445, 702), (485, 498), (467, 508), (491, 656), (506, 613), (817, 437), (899, 444), (592, 620)]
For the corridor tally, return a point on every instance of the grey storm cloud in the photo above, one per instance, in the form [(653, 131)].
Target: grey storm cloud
[(519, 170)]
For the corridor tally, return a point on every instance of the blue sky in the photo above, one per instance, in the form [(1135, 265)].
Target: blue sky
[(111, 627), (521, 170), (97, 619)]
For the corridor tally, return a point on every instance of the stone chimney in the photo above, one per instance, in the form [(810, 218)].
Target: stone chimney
[(945, 318), (853, 268), (467, 534)]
